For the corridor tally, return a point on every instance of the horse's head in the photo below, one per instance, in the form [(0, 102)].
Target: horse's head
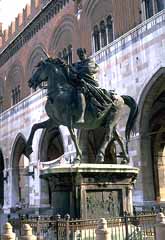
[(44, 69), (40, 74)]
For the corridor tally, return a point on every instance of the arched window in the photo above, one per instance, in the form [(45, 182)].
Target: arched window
[(19, 93), (51, 147), (65, 55), (1, 95), (103, 34), (59, 55), (148, 8), (160, 5), (1, 104), (13, 101), (20, 177), (16, 95), (110, 29), (36, 56), (70, 54), (14, 79), (152, 140), (96, 36)]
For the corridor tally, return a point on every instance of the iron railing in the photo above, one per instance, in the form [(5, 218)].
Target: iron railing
[(122, 228)]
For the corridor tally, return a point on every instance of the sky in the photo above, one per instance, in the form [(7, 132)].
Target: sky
[(9, 10)]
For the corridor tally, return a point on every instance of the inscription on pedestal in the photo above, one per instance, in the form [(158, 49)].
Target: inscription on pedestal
[(104, 203)]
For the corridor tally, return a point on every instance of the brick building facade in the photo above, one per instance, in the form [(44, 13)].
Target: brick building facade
[(127, 40)]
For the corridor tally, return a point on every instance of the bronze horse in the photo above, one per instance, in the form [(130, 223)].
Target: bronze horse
[(61, 109)]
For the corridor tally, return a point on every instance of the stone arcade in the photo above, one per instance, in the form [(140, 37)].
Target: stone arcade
[(132, 63)]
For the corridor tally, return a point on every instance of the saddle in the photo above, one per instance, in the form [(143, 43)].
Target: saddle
[(96, 97)]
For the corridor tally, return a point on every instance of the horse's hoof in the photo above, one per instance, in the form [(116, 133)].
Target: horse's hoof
[(77, 160), (28, 150), (125, 161), (100, 158)]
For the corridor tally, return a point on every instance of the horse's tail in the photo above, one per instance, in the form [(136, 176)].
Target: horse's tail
[(131, 103)]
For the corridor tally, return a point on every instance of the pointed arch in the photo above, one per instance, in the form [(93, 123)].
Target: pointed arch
[(19, 165), (154, 84), (151, 126), (20, 141), (51, 137), (65, 35), (92, 10), (95, 15), (34, 58), (50, 147), (14, 83), (160, 5)]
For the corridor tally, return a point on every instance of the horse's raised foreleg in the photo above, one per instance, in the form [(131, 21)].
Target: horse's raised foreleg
[(28, 149), (120, 141), (78, 150)]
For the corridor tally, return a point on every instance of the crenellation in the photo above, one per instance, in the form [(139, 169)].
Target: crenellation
[(34, 4), (37, 3), (5, 35), (20, 19), (1, 29), (20, 28), (35, 7), (11, 30), (18, 23), (28, 10), (26, 14)]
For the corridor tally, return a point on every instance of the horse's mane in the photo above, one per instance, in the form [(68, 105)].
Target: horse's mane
[(59, 62), (55, 61)]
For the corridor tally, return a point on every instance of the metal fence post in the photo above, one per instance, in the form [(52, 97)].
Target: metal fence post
[(38, 228), (58, 216), (67, 217), (126, 224)]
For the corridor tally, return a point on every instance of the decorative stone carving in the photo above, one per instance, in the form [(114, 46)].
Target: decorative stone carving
[(104, 203)]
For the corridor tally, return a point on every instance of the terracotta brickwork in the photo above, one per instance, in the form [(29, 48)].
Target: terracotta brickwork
[(51, 26)]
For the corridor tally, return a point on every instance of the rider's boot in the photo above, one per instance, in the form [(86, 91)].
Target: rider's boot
[(82, 106)]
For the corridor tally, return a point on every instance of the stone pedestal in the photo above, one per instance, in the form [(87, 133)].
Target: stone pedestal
[(91, 190)]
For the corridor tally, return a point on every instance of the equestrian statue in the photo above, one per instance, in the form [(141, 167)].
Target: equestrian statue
[(75, 100)]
